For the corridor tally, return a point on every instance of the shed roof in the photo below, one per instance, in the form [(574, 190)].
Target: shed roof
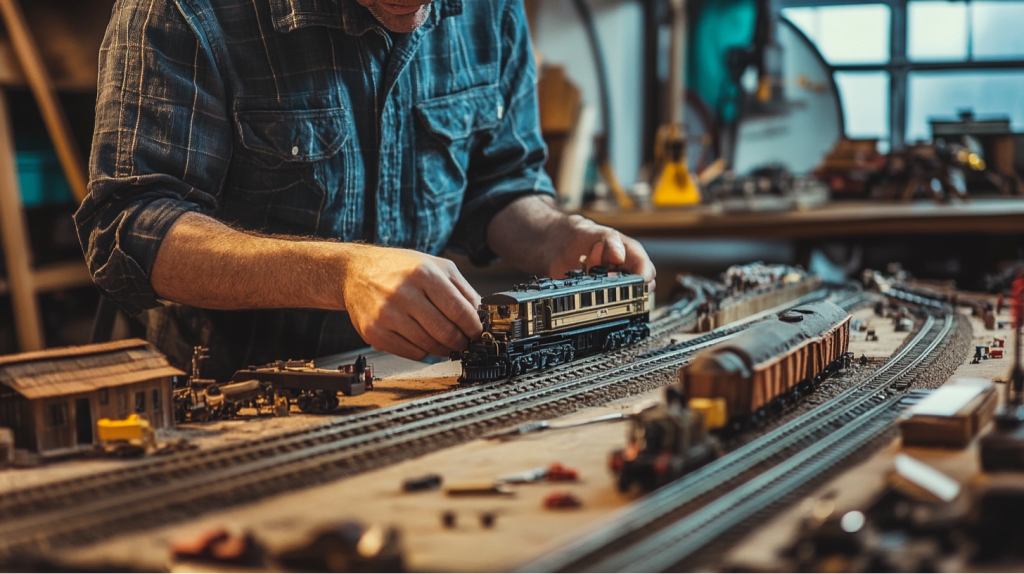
[(85, 368)]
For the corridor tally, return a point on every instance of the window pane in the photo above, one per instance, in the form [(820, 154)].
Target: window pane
[(996, 30), (936, 31), (865, 99), (846, 34), (943, 95)]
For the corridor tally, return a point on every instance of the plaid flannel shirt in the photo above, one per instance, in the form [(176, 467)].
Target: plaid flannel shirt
[(303, 117)]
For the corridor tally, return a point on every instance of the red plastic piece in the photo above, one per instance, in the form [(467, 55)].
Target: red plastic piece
[(558, 473), (561, 499)]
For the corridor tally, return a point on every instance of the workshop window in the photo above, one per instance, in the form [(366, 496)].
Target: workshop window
[(940, 95), (599, 297), (846, 34), (586, 299), (140, 402), (103, 396), (122, 404), (57, 415), (155, 399)]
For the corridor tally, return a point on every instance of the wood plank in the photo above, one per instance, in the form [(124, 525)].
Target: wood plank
[(989, 216)]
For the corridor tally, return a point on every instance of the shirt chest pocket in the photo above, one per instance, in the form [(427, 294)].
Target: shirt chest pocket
[(449, 128), (284, 170), (449, 124)]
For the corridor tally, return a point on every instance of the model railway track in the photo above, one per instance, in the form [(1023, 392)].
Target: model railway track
[(153, 472), (90, 508), (667, 527), (236, 479)]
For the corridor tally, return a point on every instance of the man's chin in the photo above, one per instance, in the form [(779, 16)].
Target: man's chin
[(401, 23)]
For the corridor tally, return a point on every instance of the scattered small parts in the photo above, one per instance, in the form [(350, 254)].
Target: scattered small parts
[(421, 483), (448, 519), (561, 500), (871, 336), (347, 546), (219, 546), (558, 473), (487, 519), (951, 416), (480, 488)]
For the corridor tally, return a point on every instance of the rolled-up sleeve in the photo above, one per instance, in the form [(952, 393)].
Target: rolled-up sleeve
[(160, 149), (509, 162)]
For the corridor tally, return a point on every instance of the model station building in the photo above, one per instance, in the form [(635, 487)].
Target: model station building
[(52, 399)]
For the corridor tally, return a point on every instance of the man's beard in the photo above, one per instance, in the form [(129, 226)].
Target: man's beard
[(400, 24)]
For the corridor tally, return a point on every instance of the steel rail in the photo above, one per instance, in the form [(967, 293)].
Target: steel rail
[(102, 517), (729, 471), (57, 494), (283, 463)]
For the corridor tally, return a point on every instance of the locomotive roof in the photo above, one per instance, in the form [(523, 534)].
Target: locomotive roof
[(770, 339), (547, 288)]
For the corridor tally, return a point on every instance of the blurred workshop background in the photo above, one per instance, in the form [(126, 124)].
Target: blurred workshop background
[(839, 135)]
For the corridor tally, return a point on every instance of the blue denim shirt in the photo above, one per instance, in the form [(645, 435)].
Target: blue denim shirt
[(303, 117)]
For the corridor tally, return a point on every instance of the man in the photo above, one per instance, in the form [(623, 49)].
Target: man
[(285, 171)]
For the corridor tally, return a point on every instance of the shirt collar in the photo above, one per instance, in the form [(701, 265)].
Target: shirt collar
[(348, 15)]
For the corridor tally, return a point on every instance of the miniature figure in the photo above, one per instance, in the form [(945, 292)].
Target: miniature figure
[(1003, 448)]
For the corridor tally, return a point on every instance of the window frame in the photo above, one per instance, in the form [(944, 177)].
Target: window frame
[(899, 67)]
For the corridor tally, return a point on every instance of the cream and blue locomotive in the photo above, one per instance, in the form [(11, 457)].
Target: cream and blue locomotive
[(548, 322)]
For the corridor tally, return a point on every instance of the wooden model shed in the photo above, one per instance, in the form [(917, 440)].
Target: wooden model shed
[(53, 398)]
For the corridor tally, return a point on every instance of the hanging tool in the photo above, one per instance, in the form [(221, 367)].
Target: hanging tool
[(675, 186)]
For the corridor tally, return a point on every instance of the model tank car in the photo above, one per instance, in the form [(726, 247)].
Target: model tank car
[(665, 442), (548, 322), (771, 364)]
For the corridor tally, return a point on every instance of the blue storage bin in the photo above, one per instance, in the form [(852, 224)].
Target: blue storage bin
[(42, 179)]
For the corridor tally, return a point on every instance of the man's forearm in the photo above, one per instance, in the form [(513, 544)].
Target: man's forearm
[(204, 263)]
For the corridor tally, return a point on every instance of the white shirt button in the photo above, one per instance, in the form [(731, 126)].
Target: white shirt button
[(295, 150)]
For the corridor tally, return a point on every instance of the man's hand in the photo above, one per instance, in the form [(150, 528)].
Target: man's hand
[(602, 246), (408, 303), (535, 236), (400, 301)]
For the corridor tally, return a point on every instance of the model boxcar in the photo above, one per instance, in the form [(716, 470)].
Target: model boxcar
[(772, 363), (547, 322)]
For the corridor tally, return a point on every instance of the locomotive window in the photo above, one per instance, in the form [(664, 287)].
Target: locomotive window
[(624, 293), (504, 312), (612, 295), (572, 302), (599, 297), (636, 291), (557, 305), (585, 299)]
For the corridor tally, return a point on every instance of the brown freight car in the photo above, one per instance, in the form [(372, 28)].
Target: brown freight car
[(772, 364)]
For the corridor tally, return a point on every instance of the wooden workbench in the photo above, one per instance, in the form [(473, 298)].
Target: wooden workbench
[(524, 529), (850, 218)]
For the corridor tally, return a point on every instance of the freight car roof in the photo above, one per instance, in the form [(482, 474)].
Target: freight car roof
[(546, 288), (773, 338)]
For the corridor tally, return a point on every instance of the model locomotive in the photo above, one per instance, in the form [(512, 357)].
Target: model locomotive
[(667, 441), (771, 364), (547, 322)]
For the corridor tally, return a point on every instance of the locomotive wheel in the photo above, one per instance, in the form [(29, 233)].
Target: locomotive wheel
[(303, 403), (318, 405), (517, 368), (333, 402)]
